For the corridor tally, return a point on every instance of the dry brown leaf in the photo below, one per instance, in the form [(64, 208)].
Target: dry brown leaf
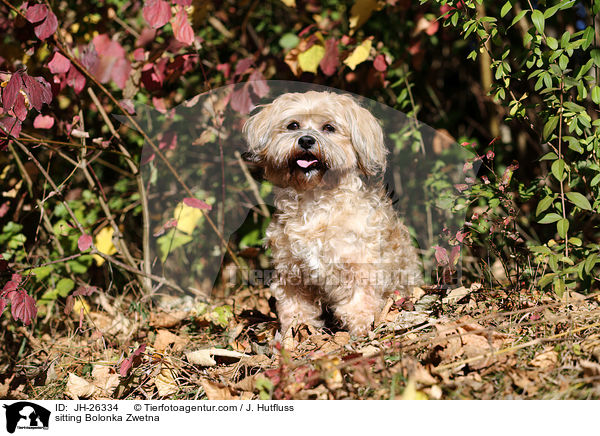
[(165, 381), (164, 338), (205, 357), (590, 369), (545, 360), (369, 351), (167, 319), (216, 391), (201, 358), (105, 379), (78, 387), (341, 338)]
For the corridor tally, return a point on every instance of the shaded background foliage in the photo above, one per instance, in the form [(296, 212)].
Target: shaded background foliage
[(515, 82)]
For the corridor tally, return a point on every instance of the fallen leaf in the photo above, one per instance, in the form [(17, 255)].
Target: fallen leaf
[(411, 392), (167, 319), (105, 379), (164, 338), (545, 360), (215, 391), (204, 357), (78, 387), (165, 381)]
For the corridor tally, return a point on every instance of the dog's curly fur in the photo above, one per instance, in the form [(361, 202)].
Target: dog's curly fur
[(335, 239)]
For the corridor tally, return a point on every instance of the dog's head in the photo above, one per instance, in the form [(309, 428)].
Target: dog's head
[(301, 138)]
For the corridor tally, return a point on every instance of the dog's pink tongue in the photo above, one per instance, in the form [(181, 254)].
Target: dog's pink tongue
[(305, 163)]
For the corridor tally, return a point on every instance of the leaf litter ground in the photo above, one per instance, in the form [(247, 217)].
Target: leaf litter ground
[(468, 343)]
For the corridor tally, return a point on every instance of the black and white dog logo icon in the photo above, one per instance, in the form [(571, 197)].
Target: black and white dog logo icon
[(26, 415)]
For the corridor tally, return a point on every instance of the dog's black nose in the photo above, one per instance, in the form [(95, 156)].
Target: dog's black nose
[(306, 142)]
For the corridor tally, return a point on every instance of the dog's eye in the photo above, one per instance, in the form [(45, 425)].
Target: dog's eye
[(328, 128), (293, 126)]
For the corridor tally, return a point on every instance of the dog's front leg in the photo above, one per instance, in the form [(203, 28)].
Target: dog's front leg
[(295, 306), (357, 313)]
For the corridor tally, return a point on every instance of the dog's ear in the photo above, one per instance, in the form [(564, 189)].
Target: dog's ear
[(257, 130), (367, 138)]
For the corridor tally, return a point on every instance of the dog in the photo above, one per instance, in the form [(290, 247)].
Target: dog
[(335, 238)]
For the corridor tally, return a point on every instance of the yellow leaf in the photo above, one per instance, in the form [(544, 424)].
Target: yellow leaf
[(289, 3), (187, 218), (361, 11), (80, 303), (309, 60), (411, 393), (104, 244), (360, 54), (165, 381)]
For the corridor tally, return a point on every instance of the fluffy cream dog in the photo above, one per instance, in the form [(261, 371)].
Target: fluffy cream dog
[(335, 238)]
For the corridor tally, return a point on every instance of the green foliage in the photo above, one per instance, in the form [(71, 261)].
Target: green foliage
[(550, 81)]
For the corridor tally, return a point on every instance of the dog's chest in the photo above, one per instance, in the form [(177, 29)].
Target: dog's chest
[(319, 231)]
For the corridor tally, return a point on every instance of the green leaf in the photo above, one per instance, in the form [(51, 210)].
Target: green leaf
[(579, 200), (518, 17), (563, 61), (289, 41), (549, 156), (64, 286), (588, 37), (595, 180), (596, 94), (538, 20), (590, 262), (550, 218), (552, 43), (544, 204), (563, 227), (546, 280), (559, 286), (595, 55), (505, 9), (558, 170), (42, 272), (549, 126)]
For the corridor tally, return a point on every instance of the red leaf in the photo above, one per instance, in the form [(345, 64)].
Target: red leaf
[(85, 291), (454, 254), (38, 91), (157, 13), (433, 27), (243, 65), (22, 307), (379, 63), (36, 13), (76, 80), (181, 28), (441, 255), (240, 100), (196, 203), (84, 242), (259, 84), (9, 94), (48, 27), (19, 108), (128, 363), (183, 2), (120, 72), (59, 64), (11, 125), (169, 140), (3, 211), (331, 59), (43, 122), (2, 305)]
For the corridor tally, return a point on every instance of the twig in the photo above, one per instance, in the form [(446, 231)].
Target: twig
[(253, 185)]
